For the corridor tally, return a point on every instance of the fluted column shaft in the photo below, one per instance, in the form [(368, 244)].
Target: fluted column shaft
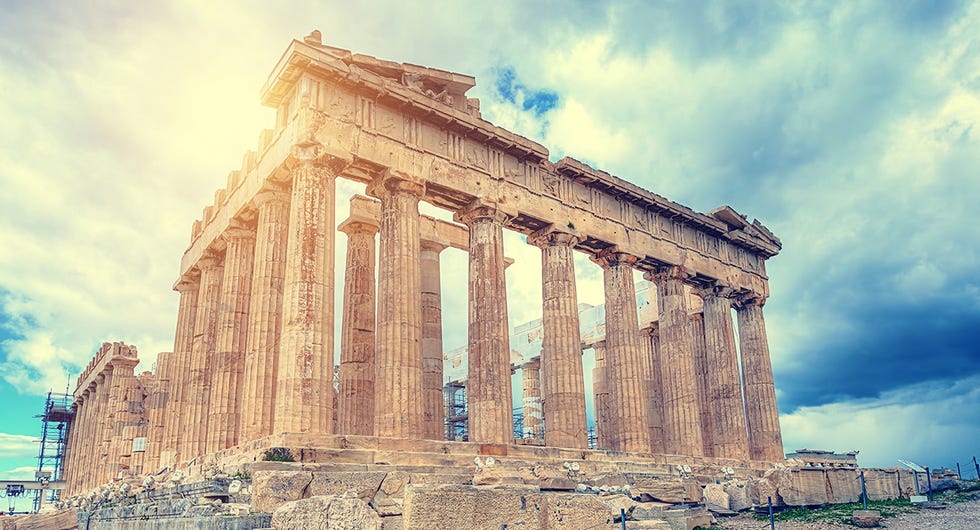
[(230, 342), (762, 416), (629, 423), (533, 411), (92, 437), (85, 445), (123, 391), (156, 410), (74, 448), (433, 410), (106, 424), (563, 378), (650, 342), (264, 316), (488, 392), (682, 410), (198, 390), (177, 410), (600, 393), (356, 396), (702, 378), (398, 401), (304, 394), (728, 437)]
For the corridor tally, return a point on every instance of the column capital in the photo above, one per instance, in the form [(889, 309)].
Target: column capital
[(210, 260), (358, 225), (667, 272), (270, 195), (749, 298), (237, 232), (653, 329), (480, 210), (316, 155), (611, 257), (187, 283), (714, 289), (393, 182), (553, 237), (433, 245)]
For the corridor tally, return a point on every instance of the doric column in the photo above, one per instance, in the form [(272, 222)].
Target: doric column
[(489, 393), (432, 399), (728, 433), (198, 390), (701, 377), (629, 425), (561, 353), (174, 432), (230, 342), (533, 411), (264, 315), (398, 402), (83, 442), (107, 401), (600, 393), (650, 341), (356, 396), (92, 437), (123, 389), (762, 416), (74, 447), (156, 410), (682, 410), (304, 394)]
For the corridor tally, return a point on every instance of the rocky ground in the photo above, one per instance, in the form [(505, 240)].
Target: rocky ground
[(959, 516)]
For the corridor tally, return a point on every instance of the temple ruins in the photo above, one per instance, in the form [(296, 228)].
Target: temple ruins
[(249, 389)]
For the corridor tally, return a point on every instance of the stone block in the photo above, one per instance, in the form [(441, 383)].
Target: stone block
[(804, 487), (665, 489), (866, 518), (615, 503), (689, 518), (363, 485), (391, 523), (739, 497), (650, 510), (270, 489), (326, 513), (653, 524), (844, 484), (881, 484), (571, 511), (460, 506), (715, 497)]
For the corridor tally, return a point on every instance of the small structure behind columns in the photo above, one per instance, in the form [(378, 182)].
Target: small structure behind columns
[(533, 410), (356, 394), (489, 393), (629, 428), (703, 381), (762, 416), (600, 393), (650, 341)]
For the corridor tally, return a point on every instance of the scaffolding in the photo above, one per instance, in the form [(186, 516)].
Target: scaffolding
[(55, 420), (457, 425)]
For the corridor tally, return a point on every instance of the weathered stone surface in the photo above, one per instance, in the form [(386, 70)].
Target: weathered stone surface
[(617, 504), (326, 513), (844, 484), (270, 489), (665, 489), (570, 511), (363, 485), (58, 520), (653, 524), (866, 518), (650, 510), (739, 495), (715, 497)]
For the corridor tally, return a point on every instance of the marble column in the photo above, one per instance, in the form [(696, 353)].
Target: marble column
[(73, 448), (106, 423), (230, 341), (91, 439), (432, 398), (563, 378), (533, 411), (156, 409), (762, 416), (728, 433), (398, 399), (650, 342), (702, 378), (122, 392), (174, 432), (304, 393), (629, 424), (600, 393), (682, 410), (198, 392), (264, 315), (356, 396), (489, 393)]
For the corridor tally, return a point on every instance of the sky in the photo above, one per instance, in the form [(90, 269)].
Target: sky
[(847, 128)]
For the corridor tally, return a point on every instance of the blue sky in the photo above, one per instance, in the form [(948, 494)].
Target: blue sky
[(848, 128)]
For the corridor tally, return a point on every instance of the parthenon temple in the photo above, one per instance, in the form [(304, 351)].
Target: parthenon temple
[(253, 362)]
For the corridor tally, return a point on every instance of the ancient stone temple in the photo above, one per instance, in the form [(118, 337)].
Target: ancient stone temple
[(252, 371)]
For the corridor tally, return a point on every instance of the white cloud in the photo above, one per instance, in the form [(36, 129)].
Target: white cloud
[(17, 446)]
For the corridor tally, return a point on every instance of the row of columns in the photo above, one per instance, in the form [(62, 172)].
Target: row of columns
[(258, 321)]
